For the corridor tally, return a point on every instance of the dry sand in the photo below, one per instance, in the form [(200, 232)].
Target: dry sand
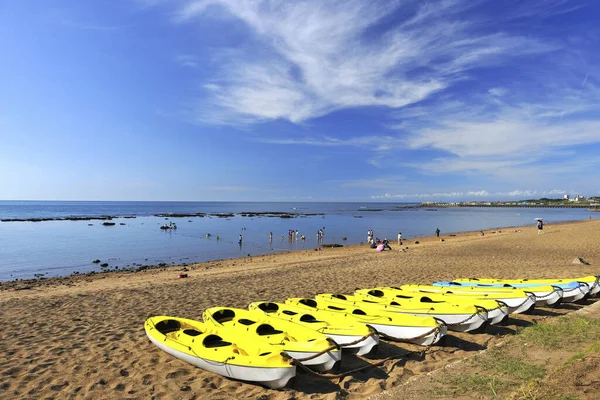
[(83, 336)]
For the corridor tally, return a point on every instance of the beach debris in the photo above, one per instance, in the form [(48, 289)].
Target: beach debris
[(180, 276), (580, 261), (417, 242), (332, 245)]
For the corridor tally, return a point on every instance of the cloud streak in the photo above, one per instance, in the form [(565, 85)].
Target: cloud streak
[(318, 57)]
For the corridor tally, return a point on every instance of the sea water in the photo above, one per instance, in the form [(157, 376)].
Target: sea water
[(58, 248)]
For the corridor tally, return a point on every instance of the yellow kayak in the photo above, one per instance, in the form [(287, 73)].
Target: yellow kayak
[(226, 354), (517, 301), (296, 340), (350, 334), (497, 310), (592, 282), (423, 331), (461, 318)]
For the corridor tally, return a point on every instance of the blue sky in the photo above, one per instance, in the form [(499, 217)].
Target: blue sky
[(299, 101)]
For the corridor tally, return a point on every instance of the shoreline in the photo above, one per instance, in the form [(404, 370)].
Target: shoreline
[(27, 284)]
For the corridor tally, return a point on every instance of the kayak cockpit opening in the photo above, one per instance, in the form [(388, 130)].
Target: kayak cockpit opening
[(339, 296), (266, 329), (192, 332), (308, 318), (246, 322), (224, 315), (376, 293), (212, 341), (309, 302), (168, 326), (288, 312), (268, 307)]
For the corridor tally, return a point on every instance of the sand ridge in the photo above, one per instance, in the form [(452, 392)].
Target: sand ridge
[(83, 337)]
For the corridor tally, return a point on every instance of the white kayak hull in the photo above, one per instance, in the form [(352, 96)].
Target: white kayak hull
[(497, 315), (459, 322), (361, 348), (575, 294), (324, 362), (274, 378), (517, 305), (421, 335)]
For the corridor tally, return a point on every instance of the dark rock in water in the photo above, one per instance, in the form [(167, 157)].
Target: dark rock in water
[(162, 264), (104, 265), (332, 245), (96, 261), (122, 223), (90, 224), (344, 238), (108, 223), (227, 215)]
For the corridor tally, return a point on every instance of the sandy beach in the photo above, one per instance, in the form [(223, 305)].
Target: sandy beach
[(83, 336)]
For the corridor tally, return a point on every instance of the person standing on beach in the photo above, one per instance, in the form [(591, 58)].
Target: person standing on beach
[(270, 236), (399, 238), (437, 232), (540, 226)]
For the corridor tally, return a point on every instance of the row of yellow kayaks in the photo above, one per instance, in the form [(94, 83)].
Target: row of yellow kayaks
[(264, 343)]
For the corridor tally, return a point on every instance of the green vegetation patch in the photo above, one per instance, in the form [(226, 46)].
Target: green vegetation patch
[(594, 348), (564, 332), (512, 368), (452, 385)]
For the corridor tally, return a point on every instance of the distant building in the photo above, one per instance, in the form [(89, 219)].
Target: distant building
[(577, 198), (566, 197)]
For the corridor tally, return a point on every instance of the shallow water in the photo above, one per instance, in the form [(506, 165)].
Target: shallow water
[(56, 248)]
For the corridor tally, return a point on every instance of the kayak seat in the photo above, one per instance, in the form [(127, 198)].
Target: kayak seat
[(224, 315), (168, 326), (308, 318), (309, 302), (426, 299), (266, 329), (212, 341), (192, 332), (268, 307)]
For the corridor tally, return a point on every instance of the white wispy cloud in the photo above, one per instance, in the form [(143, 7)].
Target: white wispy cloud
[(190, 61), (466, 194), (324, 56)]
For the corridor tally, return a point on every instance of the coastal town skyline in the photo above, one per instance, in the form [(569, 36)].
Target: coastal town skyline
[(221, 100)]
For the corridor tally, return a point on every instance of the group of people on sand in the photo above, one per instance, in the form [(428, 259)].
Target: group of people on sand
[(380, 245)]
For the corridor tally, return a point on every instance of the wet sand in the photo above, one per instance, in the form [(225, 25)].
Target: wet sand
[(83, 336)]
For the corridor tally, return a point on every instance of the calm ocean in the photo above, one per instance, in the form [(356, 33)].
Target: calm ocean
[(58, 248)]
